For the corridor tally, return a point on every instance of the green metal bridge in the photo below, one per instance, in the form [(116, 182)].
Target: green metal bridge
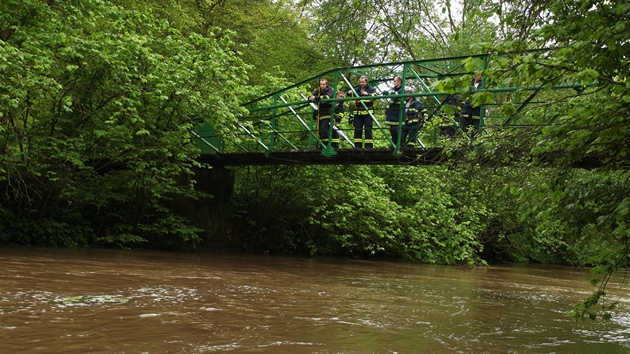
[(280, 128)]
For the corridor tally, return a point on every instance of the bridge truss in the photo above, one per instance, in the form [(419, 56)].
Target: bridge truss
[(280, 128)]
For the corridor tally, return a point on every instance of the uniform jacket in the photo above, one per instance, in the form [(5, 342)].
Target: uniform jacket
[(414, 112), (340, 111), (468, 109), (323, 107), (371, 91), (456, 102), (392, 112)]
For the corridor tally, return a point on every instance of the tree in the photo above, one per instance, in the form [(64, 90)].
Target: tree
[(589, 47), (311, 210), (97, 103), (271, 36), (359, 33)]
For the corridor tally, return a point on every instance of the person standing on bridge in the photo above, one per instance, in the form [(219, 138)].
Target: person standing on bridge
[(361, 110), (392, 113), (339, 112), (415, 116), (471, 115), (448, 120), (324, 109)]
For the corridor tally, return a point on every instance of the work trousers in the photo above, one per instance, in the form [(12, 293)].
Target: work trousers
[(408, 135), (324, 132), (468, 120), (362, 121)]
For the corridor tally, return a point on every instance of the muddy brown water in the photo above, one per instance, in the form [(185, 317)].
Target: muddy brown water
[(104, 301)]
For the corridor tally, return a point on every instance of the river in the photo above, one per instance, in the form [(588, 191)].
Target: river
[(107, 301)]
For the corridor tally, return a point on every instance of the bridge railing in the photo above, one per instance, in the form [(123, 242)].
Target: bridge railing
[(284, 120)]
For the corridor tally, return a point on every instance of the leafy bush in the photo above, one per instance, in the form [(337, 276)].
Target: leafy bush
[(96, 104)]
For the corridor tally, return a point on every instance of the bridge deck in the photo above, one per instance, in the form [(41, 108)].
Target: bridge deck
[(413, 156)]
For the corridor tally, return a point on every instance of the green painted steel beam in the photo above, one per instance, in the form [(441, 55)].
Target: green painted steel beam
[(271, 124)]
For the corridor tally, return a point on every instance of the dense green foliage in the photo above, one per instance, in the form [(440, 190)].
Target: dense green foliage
[(360, 211), (587, 212), (89, 80)]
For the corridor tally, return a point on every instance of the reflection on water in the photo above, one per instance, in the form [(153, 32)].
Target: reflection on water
[(78, 301)]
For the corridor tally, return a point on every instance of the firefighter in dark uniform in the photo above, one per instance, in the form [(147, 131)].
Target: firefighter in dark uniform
[(415, 116), (340, 113), (360, 116), (392, 113), (471, 115), (446, 124), (324, 109)]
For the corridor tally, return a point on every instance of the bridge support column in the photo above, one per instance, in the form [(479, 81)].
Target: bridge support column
[(212, 214)]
